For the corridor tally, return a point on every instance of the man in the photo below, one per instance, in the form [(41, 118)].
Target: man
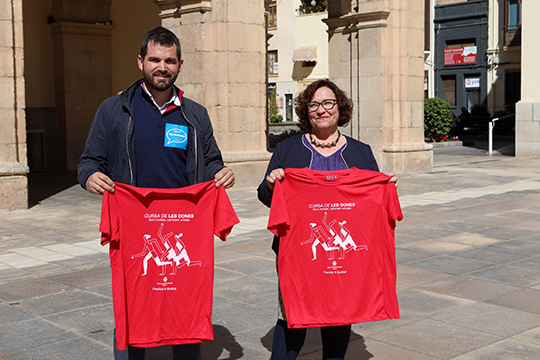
[(150, 135)]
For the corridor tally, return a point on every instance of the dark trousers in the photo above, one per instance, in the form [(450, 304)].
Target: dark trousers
[(287, 342), (180, 352)]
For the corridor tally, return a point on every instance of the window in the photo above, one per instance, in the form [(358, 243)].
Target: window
[(427, 25), (512, 23), (272, 15), (272, 62), (473, 98), (449, 89), (426, 84), (514, 15)]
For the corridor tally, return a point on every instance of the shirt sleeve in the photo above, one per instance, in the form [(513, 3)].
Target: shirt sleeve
[(392, 203), (278, 221), (224, 215), (109, 224)]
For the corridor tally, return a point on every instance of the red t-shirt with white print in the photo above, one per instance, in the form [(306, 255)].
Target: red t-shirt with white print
[(337, 253), (162, 260)]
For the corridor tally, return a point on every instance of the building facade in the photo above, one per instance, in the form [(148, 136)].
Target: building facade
[(297, 51), (78, 52), (460, 50), (528, 108), (504, 54), (474, 53)]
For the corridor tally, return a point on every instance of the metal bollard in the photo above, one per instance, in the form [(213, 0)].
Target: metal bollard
[(490, 135)]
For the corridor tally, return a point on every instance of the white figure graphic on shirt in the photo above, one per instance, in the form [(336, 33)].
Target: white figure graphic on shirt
[(339, 239), (319, 236), (151, 245), (342, 237), (174, 254)]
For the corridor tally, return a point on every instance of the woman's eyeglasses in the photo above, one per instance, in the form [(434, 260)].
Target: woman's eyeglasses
[(327, 104)]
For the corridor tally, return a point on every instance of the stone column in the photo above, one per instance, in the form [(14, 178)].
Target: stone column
[(81, 34), (528, 109), (223, 47), (377, 55), (13, 164)]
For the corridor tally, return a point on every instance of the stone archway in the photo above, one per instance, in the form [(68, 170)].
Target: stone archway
[(377, 53), (223, 46)]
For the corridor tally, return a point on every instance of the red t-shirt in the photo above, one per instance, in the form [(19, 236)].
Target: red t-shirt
[(337, 254), (162, 260)]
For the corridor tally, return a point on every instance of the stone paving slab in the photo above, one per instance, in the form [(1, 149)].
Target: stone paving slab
[(468, 254), (507, 349), (496, 320), (469, 288), (436, 338)]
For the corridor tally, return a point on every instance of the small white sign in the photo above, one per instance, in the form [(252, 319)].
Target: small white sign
[(472, 82)]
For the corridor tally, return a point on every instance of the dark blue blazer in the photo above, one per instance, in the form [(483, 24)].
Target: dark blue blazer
[(292, 153)]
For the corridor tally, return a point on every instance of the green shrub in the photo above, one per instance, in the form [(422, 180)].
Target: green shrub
[(273, 110), (437, 118), (275, 118), (306, 6), (480, 111)]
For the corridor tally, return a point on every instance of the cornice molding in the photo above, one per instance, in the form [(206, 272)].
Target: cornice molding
[(378, 18), (175, 8)]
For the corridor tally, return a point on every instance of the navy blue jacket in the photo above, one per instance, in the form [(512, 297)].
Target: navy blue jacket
[(292, 153), (109, 147)]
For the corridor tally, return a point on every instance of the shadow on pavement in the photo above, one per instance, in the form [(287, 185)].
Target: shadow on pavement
[(312, 348), (223, 344), (44, 184), (504, 145)]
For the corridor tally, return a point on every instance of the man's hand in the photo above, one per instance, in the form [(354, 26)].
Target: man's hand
[(98, 183), (276, 174), (393, 178), (224, 177)]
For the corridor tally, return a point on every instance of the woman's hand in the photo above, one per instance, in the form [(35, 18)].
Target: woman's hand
[(393, 178), (276, 174)]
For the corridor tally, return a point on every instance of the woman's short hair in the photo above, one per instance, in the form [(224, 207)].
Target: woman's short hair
[(344, 103)]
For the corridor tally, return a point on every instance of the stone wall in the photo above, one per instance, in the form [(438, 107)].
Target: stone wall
[(13, 169), (528, 109), (223, 47), (377, 57)]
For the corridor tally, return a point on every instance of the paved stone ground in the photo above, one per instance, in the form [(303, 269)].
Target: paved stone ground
[(468, 255)]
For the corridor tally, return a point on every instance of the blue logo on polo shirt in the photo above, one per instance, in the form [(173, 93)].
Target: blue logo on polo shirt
[(176, 136)]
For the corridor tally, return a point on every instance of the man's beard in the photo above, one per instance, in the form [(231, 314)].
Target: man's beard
[(159, 85)]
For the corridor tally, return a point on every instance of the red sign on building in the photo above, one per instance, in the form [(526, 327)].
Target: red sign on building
[(462, 55)]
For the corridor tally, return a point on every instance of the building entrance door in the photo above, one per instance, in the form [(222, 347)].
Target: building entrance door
[(288, 107), (473, 98)]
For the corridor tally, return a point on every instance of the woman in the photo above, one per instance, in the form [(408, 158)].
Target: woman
[(321, 108)]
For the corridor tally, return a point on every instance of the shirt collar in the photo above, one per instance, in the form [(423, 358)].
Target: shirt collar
[(173, 102)]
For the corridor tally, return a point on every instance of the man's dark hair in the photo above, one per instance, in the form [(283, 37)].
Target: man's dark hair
[(161, 36)]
